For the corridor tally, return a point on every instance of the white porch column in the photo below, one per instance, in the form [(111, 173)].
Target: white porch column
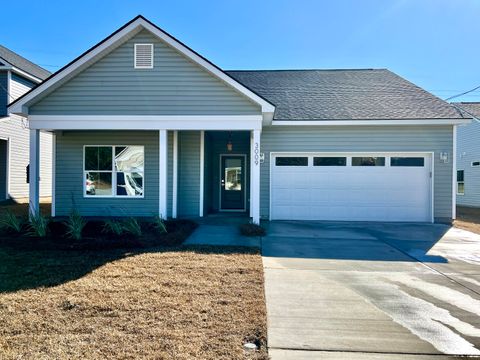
[(454, 173), (34, 175), (175, 175), (54, 170), (162, 168), (202, 171), (255, 176)]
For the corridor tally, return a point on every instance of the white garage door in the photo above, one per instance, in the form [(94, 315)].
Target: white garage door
[(351, 187)]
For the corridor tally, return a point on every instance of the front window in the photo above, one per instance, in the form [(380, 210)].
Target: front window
[(114, 171), (460, 182)]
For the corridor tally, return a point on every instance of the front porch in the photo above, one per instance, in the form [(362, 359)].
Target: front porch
[(214, 171), (184, 173)]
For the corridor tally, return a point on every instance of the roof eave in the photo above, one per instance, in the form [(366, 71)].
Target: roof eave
[(377, 122), (20, 105)]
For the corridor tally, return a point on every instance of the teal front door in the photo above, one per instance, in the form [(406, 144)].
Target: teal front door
[(232, 189)]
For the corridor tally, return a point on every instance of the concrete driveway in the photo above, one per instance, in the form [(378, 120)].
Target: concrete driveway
[(371, 291)]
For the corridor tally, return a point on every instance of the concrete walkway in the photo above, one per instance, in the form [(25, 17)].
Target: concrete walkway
[(371, 291), (221, 235)]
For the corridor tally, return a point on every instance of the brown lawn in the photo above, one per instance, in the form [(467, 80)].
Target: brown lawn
[(468, 219), (185, 303)]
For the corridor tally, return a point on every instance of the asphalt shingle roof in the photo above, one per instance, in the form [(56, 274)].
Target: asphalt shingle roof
[(364, 94), (22, 63), (473, 108)]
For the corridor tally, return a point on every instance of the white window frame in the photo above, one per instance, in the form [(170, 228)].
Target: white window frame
[(114, 175), (135, 56), (474, 161), (460, 182)]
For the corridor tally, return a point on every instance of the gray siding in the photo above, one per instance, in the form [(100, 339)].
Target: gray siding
[(4, 99), (69, 174), (19, 86), (174, 86), (3, 169), (188, 173), (388, 138), (14, 129), (468, 150)]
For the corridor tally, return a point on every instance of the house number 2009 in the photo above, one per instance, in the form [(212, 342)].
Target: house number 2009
[(256, 153)]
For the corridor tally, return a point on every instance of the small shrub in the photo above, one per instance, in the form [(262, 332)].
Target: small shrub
[(11, 222), (113, 227), (159, 225), (38, 225), (75, 225), (132, 227), (252, 230)]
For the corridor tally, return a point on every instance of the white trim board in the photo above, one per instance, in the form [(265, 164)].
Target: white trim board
[(145, 122), (104, 47), (370, 122), (21, 73)]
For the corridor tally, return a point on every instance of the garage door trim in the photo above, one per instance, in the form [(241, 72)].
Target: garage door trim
[(389, 154)]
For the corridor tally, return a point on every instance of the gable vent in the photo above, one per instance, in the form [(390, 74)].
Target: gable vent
[(143, 56)]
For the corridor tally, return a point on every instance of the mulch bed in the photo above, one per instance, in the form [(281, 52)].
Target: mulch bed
[(94, 237)]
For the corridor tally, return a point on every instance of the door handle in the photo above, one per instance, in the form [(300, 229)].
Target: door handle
[(223, 183)]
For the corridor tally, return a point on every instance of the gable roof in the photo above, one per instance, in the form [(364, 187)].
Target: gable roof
[(8, 57), (469, 108), (20, 105), (361, 94)]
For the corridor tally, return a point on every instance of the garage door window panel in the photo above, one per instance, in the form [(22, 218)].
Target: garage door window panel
[(329, 161), (291, 161), (407, 161), (368, 161)]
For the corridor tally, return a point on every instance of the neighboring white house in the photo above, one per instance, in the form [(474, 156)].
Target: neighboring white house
[(468, 156), (17, 76)]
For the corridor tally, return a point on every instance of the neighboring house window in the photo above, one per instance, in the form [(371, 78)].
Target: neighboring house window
[(368, 161), (113, 171), (475, 163), (143, 56), (460, 183)]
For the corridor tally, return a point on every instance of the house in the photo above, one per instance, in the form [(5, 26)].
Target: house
[(17, 76), (468, 156), (144, 125)]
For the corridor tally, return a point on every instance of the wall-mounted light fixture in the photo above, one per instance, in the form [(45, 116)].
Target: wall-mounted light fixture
[(444, 157), (229, 142)]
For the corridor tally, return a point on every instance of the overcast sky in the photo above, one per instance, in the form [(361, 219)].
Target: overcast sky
[(433, 43)]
